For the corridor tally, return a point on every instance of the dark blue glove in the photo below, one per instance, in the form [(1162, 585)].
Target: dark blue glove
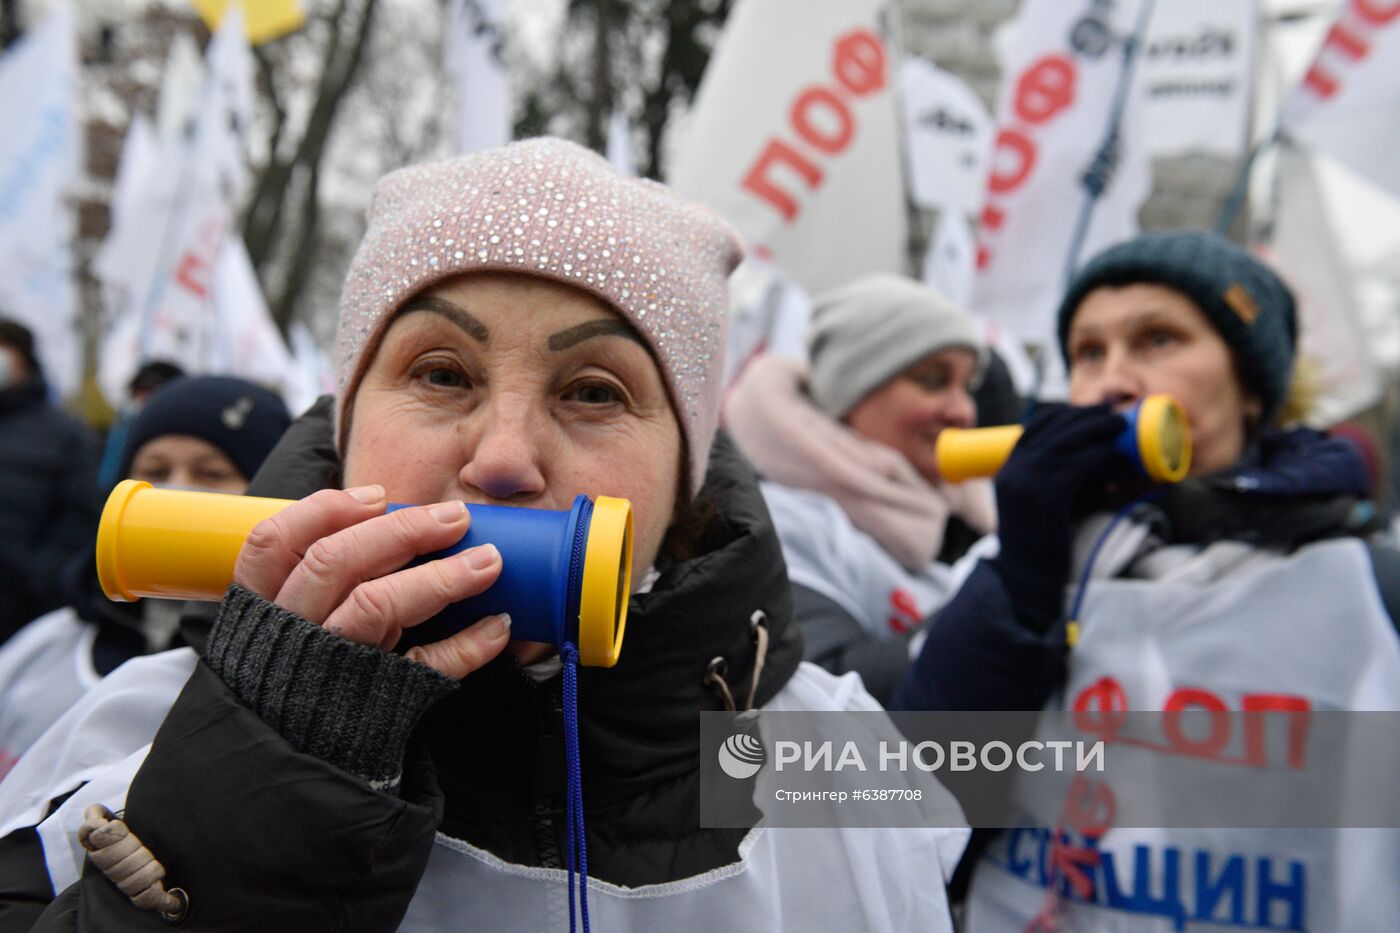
[(1060, 466)]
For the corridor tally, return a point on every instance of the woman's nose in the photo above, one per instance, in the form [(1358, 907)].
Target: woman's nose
[(960, 410), (503, 454), (1121, 382)]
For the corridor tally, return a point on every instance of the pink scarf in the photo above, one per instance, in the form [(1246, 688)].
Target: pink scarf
[(790, 441)]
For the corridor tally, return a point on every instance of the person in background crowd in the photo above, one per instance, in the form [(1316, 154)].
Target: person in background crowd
[(149, 377), (48, 487), (996, 397), (519, 327), (1255, 576), (209, 433), (846, 450)]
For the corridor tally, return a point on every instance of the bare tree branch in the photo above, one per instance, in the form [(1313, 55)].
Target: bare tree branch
[(297, 273), (274, 98), (600, 101), (264, 214), (308, 157)]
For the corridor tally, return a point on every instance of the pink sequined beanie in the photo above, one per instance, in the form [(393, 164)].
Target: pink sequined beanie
[(550, 208)]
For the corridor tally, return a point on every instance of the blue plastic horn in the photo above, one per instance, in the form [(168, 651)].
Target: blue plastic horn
[(565, 576)]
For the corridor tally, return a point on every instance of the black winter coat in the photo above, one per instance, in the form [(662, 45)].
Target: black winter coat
[(49, 501), (264, 831)]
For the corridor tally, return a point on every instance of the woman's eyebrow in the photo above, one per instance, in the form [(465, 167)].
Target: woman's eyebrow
[(589, 329), (1157, 315), (458, 316)]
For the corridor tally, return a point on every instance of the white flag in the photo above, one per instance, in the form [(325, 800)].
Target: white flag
[(1348, 104), (1061, 69), (794, 138), (176, 238), (312, 375), (126, 262), (246, 341), (950, 265), (39, 165), (139, 156), (620, 143), (472, 55), (1196, 71), (1304, 250), (948, 137), (179, 90)]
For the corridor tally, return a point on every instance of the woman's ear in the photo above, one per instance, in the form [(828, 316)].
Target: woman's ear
[(1253, 415)]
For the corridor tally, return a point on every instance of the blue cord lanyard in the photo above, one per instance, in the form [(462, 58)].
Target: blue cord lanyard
[(1072, 620), (578, 842)]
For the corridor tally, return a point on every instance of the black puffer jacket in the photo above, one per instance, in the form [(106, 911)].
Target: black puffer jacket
[(269, 822), (48, 500)]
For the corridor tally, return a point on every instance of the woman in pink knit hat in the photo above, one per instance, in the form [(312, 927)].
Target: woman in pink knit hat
[(518, 327)]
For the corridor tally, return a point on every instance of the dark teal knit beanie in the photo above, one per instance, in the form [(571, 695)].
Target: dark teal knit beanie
[(241, 419), (1242, 297)]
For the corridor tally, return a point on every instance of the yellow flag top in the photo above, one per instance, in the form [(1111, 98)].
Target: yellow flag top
[(264, 19)]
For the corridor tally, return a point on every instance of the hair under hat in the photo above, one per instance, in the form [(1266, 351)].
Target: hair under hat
[(867, 332), (243, 420), (1242, 298), (15, 334), (552, 209)]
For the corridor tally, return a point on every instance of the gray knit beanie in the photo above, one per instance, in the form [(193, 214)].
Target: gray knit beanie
[(1243, 298), (868, 331)]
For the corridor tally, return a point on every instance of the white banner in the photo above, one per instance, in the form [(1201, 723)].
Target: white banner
[(1305, 253), (794, 139), (1196, 71), (1062, 68), (950, 265), (948, 138), (39, 165), (472, 56), (1348, 104)]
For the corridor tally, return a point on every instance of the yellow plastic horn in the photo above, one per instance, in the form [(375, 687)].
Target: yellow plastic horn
[(173, 543), (1156, 436)]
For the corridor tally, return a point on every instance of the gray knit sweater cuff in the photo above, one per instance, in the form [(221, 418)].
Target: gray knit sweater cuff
[(346, 703)]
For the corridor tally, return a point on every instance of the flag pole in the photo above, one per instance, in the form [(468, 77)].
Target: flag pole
[(894, 19), (1234, 202), (1100, 172)]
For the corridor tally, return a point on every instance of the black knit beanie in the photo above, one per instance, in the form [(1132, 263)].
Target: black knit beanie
[(243, 420), (1242, 297)]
